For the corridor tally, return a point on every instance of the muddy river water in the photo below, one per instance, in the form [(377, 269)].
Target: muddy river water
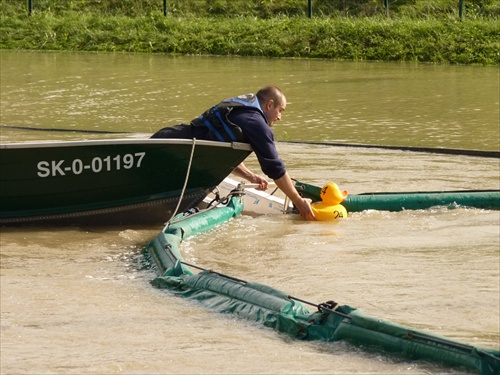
[(77, 300)]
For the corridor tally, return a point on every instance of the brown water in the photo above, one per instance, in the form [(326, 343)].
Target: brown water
[(77, 301), (387, 104)]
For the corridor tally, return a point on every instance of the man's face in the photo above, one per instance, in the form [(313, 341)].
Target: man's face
[(273, 110)]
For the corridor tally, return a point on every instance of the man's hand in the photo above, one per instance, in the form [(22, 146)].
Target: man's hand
[(263, 183), (304, 207), (242, 171)]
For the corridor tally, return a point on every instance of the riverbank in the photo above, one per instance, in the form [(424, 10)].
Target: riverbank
[(341, 38)]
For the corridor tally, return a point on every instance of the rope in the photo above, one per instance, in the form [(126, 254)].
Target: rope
[(215, 273), (185, 184), (464, 347), (329, 307)]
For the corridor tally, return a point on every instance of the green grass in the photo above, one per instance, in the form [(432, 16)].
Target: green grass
[(443, 39)]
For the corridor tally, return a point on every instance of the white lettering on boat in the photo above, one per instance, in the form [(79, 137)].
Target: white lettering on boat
[(55, 168)]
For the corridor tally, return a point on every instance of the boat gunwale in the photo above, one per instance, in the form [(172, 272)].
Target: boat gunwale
[(125, 141)]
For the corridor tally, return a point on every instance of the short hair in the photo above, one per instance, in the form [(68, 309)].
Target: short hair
[(270, 92)]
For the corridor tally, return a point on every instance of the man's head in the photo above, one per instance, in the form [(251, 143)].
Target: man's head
[(273, 103)]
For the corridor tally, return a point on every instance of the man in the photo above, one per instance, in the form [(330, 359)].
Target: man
[(247, 118)]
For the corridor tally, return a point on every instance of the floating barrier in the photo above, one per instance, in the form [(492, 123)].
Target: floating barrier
[(486, 199), (276, 309)]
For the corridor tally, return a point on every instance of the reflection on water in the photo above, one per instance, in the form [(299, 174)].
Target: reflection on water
[(77, 300)]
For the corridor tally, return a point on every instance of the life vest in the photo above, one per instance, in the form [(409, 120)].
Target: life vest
[(217, 121)]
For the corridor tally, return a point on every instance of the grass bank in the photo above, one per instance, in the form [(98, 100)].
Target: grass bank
[(375, 38)]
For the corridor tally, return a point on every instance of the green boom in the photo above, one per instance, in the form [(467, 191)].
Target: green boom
[(276, 309), (486, 199)]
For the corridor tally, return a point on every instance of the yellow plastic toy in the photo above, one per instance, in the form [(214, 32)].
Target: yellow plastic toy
[(330, 208)]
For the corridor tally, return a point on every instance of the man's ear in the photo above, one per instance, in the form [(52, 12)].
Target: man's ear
[(270, 104)]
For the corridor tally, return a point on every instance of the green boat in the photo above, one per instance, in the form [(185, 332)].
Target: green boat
[(276, 309), (108, 182), (485, 199)]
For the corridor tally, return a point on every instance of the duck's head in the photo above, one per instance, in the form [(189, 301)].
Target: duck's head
[(330, 193)]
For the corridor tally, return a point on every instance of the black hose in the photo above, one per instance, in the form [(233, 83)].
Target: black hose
[(448, 151), (62, 130)]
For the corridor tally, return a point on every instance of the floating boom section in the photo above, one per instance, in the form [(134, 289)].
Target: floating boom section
[(276, 309), (485, 199)]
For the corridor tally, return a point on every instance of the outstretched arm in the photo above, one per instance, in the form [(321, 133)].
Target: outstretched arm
[(243, 172)]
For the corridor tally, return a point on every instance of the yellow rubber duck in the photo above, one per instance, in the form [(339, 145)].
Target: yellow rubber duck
[(330, 208)]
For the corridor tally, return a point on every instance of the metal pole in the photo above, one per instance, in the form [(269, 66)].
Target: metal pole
[(386, 6), (460, 9), (165, 7), (30, 7), (309, 8)]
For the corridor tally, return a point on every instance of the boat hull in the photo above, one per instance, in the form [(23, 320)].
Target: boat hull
[(110, 181)]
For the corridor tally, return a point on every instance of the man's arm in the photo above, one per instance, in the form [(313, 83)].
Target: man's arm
[(243, 172), (286, 185)]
